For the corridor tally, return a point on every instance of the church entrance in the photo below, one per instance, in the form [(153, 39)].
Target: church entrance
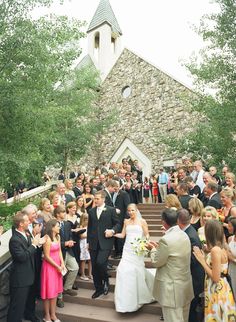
[(128, 150)]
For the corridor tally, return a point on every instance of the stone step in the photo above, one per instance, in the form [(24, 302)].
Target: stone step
[(153, 221), (158, 232), (150, 205), (84, 298), (146, 217), (92, 313)]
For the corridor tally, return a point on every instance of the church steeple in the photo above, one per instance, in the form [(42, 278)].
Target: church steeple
[(104, 35), (104, 13)]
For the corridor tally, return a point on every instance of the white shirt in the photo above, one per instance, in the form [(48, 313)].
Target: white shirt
[(100, 210)]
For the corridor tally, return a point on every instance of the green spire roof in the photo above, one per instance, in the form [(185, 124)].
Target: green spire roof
[(104, 13)]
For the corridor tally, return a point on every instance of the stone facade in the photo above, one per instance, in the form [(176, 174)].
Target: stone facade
[(156, 108)]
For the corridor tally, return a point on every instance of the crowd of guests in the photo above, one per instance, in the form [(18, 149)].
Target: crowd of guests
[(49, 243)]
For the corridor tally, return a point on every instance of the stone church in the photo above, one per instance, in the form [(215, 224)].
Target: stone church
[(150, 105)]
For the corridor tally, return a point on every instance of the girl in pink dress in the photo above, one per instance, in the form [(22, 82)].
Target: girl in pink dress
[(52, 268)]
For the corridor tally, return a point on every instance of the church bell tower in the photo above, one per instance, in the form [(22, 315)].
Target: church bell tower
[(104, 38)]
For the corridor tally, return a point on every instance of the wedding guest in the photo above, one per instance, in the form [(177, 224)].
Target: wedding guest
[(84, 253), (132, 293), (173, 287), (183, 195), (121, 200), (199, 178), (46, 210), (207, 214), (64, 197), (195, 208), (22, 250), (197, 271), (67, 244), (162, 183), (154, 189), (219, 301), (54, 197), (227, 196), (78, 189), (69, 188), (88, 196), (146, 189), (172, 201), (194, 189), (211, 191), (232, 252), (230, 180), (52, 269), (71, 217), (80, 209)]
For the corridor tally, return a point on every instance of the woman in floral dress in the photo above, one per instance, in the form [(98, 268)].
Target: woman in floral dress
[(219, 300)]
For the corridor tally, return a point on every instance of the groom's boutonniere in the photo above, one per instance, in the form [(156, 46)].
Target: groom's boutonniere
[(104, 209)]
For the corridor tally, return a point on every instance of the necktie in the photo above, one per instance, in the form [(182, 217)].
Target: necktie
[(62, 229)]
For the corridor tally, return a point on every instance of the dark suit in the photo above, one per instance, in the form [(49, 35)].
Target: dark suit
[(66, 234), (77, 192), (197, 273), (122, 201), (215, 201), (108, 199), (99, 245), (22, 275), (68, 255)]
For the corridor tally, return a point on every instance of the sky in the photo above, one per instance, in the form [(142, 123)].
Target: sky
[(160, 31)]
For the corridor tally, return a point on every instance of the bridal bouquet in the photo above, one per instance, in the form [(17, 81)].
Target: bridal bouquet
[(139, 246)]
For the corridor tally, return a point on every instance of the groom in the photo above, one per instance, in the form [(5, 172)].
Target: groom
[(102, 225)]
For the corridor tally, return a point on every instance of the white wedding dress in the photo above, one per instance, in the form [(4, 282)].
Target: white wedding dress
[(134, 283)]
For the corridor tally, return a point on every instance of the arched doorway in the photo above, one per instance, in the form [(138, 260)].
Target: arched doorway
[(128, 149)]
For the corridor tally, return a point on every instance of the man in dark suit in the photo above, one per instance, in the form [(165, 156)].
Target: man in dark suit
[(34, 228), (22, 274), (211, 191), (183, 195), (109, 190), (67, 244), (78, 189), (121, 200), (197, 270), (102, 225)]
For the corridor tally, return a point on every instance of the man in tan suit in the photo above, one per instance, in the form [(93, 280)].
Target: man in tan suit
[(173, 282)]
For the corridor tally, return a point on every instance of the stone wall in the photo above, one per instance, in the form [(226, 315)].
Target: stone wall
[(157, 107)]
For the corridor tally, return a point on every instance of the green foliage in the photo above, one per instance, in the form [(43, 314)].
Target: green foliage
[(214, 138), (41, 122)]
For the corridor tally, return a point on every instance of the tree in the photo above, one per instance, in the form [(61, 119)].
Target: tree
[(36, 56), (214, 137)]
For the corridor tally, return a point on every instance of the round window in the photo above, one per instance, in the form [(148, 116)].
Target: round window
[(126, 91)]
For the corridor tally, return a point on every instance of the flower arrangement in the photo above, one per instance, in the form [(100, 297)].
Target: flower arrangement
[(139, 246), (221, 215)]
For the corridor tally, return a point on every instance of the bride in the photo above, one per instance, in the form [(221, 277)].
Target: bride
[(134, 283)]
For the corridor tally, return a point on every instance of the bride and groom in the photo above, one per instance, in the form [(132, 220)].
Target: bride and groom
[(103, 226)]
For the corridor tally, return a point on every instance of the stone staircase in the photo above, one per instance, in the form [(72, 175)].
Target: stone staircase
[(82, 308)]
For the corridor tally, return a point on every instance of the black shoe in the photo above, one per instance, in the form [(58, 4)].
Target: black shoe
[(33, 318), (60, 303), (97, 294), (75, 287), (118, 256), (110, 267), (106, 288)]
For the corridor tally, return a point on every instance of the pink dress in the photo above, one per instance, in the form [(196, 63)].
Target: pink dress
[(51, 279)]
